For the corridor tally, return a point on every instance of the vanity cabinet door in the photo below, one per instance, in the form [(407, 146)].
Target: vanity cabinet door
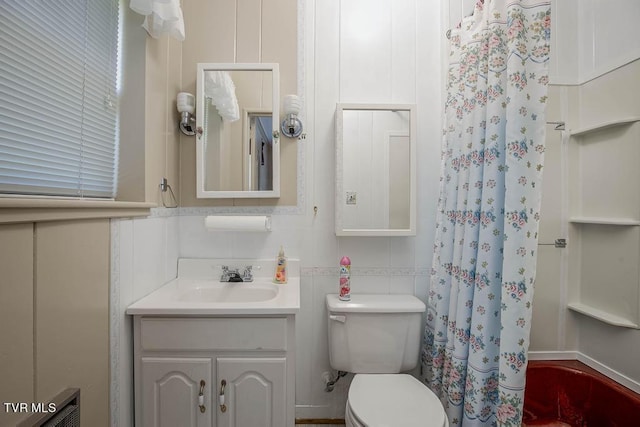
[(171, 389), (255, 391)]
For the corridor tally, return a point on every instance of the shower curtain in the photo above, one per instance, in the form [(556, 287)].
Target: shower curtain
[(474, 354)]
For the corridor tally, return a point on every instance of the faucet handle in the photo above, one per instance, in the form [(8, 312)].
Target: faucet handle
[(247, 274), (227, 273)]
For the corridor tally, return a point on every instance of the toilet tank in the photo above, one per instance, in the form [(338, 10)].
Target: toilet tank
[(374, 333)]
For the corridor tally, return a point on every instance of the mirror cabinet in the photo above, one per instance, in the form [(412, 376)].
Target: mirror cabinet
[(375, 170), (237, 143)]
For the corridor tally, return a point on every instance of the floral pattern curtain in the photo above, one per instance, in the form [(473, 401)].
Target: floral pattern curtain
[(479, 305)]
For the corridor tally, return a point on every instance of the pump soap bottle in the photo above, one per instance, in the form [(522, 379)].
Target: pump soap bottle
[(281, 268)]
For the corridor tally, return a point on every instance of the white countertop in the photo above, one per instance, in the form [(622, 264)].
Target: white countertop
[(181, 296)]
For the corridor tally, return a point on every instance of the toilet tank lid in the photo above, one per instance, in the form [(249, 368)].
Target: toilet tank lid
[(382, 303)]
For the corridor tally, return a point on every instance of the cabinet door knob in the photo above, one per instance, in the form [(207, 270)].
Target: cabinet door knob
[(223, 407), (201, 397)]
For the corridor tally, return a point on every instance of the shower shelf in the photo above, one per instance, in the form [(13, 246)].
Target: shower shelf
[(603, 126), (604, 205), (602, 315), (604, 221)]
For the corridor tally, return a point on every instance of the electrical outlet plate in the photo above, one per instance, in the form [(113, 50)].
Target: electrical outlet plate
[(351, 197)]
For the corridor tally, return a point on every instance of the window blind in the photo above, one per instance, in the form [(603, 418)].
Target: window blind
[(58, 97)]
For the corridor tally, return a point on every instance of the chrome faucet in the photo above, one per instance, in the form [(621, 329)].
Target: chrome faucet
[(247, 274), (233, 274)]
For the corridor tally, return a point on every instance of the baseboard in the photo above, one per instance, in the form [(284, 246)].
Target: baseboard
[(589, 361), (318, 412), (553, 355), (613, 374), (320, 421)]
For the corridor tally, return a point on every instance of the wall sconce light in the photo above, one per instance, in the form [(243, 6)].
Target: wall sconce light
[(291, 125), (186, 107)]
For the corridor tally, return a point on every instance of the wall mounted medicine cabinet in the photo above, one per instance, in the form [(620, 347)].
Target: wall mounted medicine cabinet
[(375, 170), (237, 117)]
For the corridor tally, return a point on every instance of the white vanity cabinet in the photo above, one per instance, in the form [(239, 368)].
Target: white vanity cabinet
[(170, 387), (255, 391), (214, 371)]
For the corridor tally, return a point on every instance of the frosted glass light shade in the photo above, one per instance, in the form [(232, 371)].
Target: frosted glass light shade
[(291, 104), (186, 103), (291, 126)]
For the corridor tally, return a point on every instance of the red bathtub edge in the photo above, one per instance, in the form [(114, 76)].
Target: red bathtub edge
[(570, 392)]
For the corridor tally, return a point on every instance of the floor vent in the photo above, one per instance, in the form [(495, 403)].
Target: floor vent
[(66, 414)]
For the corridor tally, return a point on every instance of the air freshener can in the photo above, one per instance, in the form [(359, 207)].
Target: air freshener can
[(345, 279)]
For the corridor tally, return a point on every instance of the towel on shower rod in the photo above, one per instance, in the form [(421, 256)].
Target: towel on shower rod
[(161, 17)]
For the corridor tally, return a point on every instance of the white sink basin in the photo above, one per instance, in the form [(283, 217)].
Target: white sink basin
[(230, 292), (197, 291)]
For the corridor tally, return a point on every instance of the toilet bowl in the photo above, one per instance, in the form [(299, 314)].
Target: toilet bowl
[(377, 337), (392, 400)]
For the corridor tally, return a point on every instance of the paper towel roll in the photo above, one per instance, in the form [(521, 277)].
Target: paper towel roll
[(238, 223)]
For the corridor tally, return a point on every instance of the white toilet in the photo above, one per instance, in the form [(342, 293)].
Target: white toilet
[(377, 337)]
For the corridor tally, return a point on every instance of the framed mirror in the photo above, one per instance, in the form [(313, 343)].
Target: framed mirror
[(375, 170), (238, 149)]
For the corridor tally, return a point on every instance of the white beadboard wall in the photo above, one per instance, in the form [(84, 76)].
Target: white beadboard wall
[(591, 38), (144, 255), (389, 59), (608, 35), (344, 66), (396, 41)]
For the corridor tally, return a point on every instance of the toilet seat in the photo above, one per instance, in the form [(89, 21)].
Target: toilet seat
[(392, 400)]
